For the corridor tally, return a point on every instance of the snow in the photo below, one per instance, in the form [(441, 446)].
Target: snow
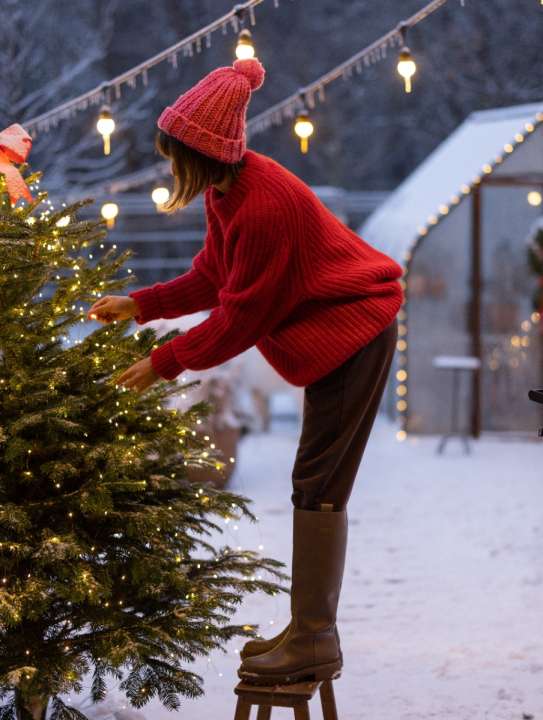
[(393, 227), (440, 611)]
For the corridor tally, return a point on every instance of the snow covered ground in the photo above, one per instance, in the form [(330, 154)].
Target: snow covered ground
[(441, 612)]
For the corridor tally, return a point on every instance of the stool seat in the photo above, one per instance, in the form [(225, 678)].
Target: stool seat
[(294, 695)]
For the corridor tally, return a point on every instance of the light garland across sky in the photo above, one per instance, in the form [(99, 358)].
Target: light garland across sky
[(110, 90), (289, 106)]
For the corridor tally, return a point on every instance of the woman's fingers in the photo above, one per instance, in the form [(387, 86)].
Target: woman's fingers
[(100, 310), (100, 303), (124, 376)]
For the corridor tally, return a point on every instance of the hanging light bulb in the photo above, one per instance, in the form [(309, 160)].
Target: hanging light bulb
[(406, 64), (245, 48), (160, 195), (534, 197), (406, 67), (105, 126), (109, 212), (303, 127)]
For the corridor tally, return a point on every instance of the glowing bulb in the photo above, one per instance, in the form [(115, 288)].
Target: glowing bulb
[(63, 221), (105, 126), (406, 67), (109, 212), (303, 127), (245, 48), (160, 195), (534, 198)]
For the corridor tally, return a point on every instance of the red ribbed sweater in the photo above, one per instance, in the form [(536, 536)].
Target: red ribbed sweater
[(277, 270)]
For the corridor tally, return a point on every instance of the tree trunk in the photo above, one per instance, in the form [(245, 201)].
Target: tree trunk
[(30, 707)]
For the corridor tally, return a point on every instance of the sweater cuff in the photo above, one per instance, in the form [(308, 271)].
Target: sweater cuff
[(164, 362), (148, 305)]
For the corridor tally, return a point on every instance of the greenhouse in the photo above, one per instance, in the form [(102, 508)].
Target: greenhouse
[(461, 225)]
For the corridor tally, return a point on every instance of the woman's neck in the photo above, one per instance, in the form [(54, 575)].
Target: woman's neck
[(224, 185)]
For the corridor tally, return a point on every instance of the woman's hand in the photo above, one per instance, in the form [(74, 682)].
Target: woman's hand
[(113, 307), (139, 376)]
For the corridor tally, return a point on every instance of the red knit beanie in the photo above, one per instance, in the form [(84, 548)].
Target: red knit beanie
[(210, 117)]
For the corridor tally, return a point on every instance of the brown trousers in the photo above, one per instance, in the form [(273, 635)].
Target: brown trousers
[(338, 414)]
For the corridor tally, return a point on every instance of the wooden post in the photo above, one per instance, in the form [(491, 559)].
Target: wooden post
[(474, 321)]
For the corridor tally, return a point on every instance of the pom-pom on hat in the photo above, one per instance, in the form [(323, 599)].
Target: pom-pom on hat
[(211, 116)]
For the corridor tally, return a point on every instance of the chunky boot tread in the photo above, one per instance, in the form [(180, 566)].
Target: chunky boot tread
[(327, 671)]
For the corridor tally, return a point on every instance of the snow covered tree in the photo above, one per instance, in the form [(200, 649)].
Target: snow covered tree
[(104, 567)]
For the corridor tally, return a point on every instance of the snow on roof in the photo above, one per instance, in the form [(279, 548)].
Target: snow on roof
[(396, 224)]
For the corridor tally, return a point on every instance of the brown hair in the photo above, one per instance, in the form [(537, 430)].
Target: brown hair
[(193, 171)]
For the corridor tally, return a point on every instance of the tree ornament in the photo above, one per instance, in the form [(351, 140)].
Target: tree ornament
[(15, 144)]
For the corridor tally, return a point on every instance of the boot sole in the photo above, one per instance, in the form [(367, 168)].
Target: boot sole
[(328, 671), (243, 655)]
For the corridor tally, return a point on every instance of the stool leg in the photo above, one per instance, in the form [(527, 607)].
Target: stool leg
[(264, 712), (455, 427), (243, 710), (301, 711), (328, 701)]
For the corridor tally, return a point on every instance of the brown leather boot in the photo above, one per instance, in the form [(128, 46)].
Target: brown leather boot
[(257, 647), (309, 649)]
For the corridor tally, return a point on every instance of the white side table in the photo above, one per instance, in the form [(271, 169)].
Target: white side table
[(457, 364)]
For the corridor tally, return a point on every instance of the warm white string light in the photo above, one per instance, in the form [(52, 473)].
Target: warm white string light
[(102, 94), (289, 107)]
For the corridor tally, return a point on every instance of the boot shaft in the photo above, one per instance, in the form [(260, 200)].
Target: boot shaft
[(318, 561)]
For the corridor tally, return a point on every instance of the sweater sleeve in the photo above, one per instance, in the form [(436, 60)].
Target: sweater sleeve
[(257, 295), (188, 293), (185, 294)]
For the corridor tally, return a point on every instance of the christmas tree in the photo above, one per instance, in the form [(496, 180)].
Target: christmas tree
[(104, 567)]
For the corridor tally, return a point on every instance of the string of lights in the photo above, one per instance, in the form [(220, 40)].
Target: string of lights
[(297, 104), (110, 90)]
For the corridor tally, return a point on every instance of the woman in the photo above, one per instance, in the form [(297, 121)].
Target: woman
[(280, 271)]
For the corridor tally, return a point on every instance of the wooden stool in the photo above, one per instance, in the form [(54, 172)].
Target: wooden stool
[(295, 696)]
